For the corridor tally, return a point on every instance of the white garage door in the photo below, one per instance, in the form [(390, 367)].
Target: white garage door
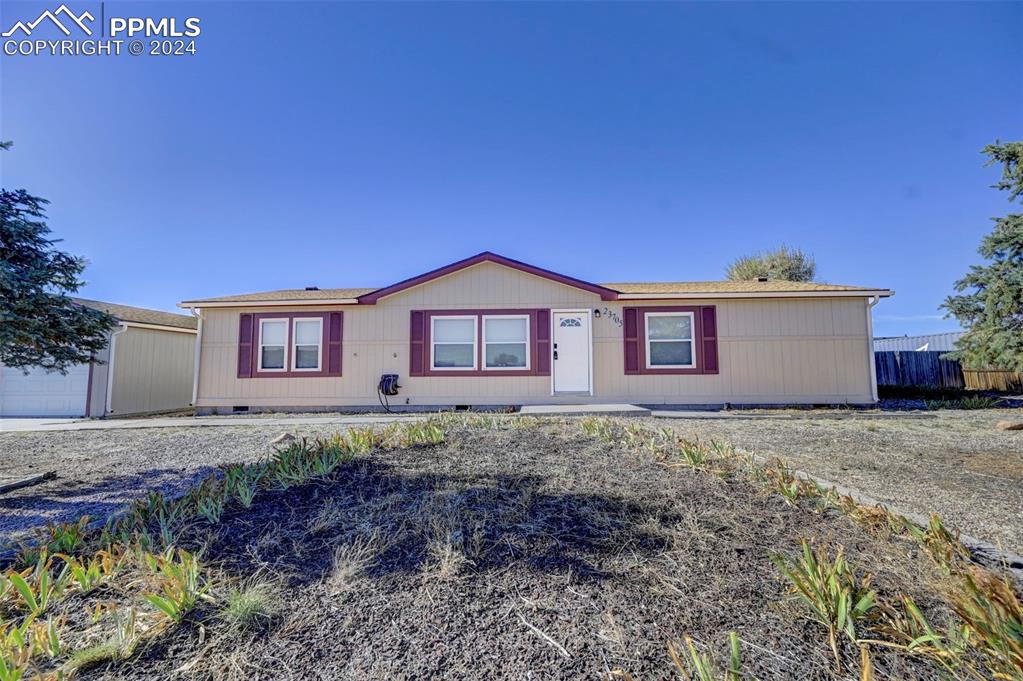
[(43, 394)]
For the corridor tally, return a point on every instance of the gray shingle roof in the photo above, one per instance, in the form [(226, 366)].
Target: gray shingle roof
[(140, 315)]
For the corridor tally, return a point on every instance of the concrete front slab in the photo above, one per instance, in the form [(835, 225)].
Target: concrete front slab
[(584, 410)]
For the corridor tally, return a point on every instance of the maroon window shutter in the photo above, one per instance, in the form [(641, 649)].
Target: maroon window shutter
[(417, 344), (709, 338), (245, 347), (542, 346), (631, 327), (335, 330)]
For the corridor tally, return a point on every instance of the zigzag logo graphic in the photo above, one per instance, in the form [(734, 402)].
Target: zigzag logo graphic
[(79, 21)]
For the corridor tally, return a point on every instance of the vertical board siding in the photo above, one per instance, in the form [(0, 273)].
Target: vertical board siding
[(792, 350), (153, 370)]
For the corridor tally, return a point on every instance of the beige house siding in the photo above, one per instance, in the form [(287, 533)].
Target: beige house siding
[(98, 382), (795, 350), (152, 371)]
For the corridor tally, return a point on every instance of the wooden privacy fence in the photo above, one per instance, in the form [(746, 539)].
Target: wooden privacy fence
[(909, 367), (1002, 381)]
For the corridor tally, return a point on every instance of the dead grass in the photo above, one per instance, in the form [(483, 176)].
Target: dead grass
[(511, 551), (953, 463), (351, 559)]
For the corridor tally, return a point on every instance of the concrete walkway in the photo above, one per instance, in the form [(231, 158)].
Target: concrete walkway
[(583, 410), (808, 414), (14, 425), (36, 425)]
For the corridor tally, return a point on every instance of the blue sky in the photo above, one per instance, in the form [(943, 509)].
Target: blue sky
[(356, 144)]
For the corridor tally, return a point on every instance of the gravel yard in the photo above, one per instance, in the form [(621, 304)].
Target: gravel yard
[(955, 463), (99, 470), (512, 553), (510, 548)]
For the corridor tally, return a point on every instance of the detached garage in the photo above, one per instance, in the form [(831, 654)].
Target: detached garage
[(148, 365)]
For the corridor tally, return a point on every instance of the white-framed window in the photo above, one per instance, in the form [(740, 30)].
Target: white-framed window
[(453, 342), (273, 344), (307, 347), (669, 340), (506, 342)]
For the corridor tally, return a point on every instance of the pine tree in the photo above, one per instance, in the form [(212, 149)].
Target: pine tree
[(39, 324), (990, 304)]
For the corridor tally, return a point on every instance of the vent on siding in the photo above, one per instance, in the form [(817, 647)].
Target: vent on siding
[(762, 279), (312, 288)]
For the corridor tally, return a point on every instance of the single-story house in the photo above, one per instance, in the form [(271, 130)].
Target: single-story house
[(492, 331), (147, 366)]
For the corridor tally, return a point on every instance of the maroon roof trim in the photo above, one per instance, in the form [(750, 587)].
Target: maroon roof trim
[(486, 256)]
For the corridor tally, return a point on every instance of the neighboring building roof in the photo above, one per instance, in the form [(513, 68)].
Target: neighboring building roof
[(935, 342), (614, 291), (140, 315)]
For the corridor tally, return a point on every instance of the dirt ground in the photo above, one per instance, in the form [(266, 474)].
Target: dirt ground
[(526, 553), (100, 471), (954, 463)]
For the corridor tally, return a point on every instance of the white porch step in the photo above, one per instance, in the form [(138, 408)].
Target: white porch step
[(583, 409)]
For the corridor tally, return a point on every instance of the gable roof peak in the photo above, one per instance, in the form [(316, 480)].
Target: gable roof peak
[(487, 256)]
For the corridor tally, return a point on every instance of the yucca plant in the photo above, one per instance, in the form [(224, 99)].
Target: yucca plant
[(906, 628), (19, 643), (126, 636), (179, 581), (154, 504), (12, 669), (16, 650), (334, 449), (245, 489), (210, 507), (941, 545), (67, 537), (829, 590), (700, 666), (291, 465), (992, 615), (427, 432), (693, 454), (38, 587), (233, 475), (362, 440), (785, 483), (876, 518), (602, 427), (89, 573)]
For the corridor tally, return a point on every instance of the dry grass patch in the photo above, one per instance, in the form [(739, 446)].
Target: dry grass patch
[(505, 548)]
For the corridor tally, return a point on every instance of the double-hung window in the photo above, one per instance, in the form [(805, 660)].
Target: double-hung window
[(453, 342), (506, 342), (307, 348), (273, 342), (669, 340)]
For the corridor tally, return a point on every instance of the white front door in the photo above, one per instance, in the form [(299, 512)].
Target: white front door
[(571, 352)]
